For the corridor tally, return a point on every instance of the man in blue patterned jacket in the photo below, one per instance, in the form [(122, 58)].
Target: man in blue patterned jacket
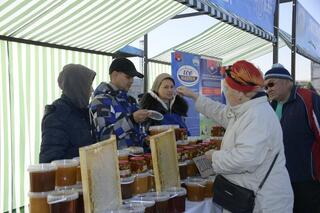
[(113, 111)]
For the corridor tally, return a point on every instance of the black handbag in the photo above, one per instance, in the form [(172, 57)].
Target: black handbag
[(233, 197)]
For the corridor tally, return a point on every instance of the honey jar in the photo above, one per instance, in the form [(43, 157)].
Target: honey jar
[(138, 165), (195, 189), (42, 177), (125, 169)]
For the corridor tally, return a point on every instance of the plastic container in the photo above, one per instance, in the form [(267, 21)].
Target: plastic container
[(208, 191), (192, 169), (127, 187), (161, 200), (151, 181), (148, 204), (42, 177), (195, 189), (183, 170), (63, 201), (177, 201), (79, 180), (134, 207), (38, 202), (140, 184), (66, 174)]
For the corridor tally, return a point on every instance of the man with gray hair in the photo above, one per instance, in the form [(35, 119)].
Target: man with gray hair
[(302, 148)]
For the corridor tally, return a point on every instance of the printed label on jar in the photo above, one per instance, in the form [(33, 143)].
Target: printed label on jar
[(125, 173)]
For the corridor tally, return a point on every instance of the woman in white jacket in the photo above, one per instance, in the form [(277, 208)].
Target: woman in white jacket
[(253, 138)]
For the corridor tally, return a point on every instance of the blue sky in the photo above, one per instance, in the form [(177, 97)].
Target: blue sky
[(177, 31)]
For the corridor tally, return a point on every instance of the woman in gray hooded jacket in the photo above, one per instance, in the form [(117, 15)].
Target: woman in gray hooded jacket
[(65, 124)]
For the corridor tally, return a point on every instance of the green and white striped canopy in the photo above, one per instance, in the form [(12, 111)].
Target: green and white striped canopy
[(225, 42), (100, 25)]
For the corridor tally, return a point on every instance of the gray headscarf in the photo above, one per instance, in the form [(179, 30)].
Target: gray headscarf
[(157, 82), (75, 81)]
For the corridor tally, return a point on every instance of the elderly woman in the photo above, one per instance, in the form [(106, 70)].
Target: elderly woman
[(252, 140), (162, 98), (65, 124)]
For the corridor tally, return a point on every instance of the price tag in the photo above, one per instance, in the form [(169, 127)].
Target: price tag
[(204, 166)]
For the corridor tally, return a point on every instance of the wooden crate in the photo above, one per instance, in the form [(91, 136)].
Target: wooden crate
[(164, 159), (100, 176)]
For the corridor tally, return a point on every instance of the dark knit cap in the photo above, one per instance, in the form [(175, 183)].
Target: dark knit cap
[(124, 65), (278, 71)]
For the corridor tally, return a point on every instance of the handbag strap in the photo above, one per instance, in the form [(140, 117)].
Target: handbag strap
[(265, 177)]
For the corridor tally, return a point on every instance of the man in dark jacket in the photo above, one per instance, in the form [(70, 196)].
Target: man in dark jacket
[(66, 125), (298, 137)]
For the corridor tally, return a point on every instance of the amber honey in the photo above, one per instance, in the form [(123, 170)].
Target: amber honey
[(195, 189), (42, 177), (63, 201), (66, 174), (38, 202)]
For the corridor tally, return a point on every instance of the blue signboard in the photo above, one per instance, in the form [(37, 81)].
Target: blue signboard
[(185, 71), (258, 12), (307, 32)]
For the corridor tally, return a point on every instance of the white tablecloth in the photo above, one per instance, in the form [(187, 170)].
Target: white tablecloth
[(206, 206)]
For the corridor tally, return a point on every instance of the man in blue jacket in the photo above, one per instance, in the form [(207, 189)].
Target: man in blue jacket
[(113, 111), (298, 137), (65, 124)]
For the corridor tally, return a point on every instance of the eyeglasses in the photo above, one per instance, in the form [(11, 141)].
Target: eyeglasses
[(269, 85)]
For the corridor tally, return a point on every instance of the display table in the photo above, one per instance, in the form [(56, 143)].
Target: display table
[(206, 206)]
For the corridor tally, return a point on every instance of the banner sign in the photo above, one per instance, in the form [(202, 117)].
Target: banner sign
[(315, 76), (307, 32), (202, 76), (185, 72), (258, 12)]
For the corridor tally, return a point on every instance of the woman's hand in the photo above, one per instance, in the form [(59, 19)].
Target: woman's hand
[(184, 91)]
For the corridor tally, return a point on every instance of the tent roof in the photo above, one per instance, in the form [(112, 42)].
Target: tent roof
[(225, 42), (104, 26)]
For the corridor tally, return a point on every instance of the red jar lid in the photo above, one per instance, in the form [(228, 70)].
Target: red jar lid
[(137, 158), (188, 147), (123, 162), (180, 149)]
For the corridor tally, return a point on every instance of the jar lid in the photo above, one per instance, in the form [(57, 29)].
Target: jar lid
[(148, 155), (156, 196), (176, 191), (134, 207), (76, 187), (195, 181), (123, 161), (127, 180), (141, 175), (77, 159), (145, 203), (180, 150), (41, 167), (138, 158), (39, 194), (211, 178), (62, 196), (123, 153), (65, 163), (188, 148)]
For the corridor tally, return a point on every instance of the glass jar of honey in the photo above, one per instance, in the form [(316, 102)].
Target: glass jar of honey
[(138, 165), (148, 158), (125, 168)]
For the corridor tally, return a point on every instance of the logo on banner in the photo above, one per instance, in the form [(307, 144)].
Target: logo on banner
[(188, 75)]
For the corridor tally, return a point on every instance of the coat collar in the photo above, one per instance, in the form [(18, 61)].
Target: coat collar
[(240, 109), (155, 96)]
